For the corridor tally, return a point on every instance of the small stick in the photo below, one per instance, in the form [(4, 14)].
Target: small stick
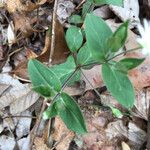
[(53, 31), (81, 3), (11, 116)]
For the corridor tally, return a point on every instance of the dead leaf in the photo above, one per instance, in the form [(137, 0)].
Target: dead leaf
[(26, 99), (8, 123), (116, 129), (61, 50), (17, 95), (62, 135), (64, 10), (14, 6), (103, 12), (3, 87), (23, 125), (24, 143), (23, 23), (136, 135), (60, 53), (129, 11), (7, 142), (142, 103), (40, 144)]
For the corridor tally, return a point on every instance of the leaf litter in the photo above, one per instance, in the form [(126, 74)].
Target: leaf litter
[(16, 97)]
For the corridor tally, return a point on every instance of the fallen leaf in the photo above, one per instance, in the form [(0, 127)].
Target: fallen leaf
[(7, 143), (40, 144), (116, 129), (23, 23), (14, 6), (136, 135), (24, 143), (129, 11), (62, 135), (65, 9), (61, 52), (23, 125), (17, 95), (103, 12)]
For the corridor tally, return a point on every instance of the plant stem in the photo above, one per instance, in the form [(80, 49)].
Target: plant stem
[(65, 83), (68, 79), (52, 121), (130, 50)]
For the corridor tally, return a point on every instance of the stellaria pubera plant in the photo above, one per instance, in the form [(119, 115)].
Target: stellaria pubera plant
[(101, 46)]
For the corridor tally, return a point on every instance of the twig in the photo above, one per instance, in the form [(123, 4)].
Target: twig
[(11, 116), (53, 32), (80, 4), (122, 53), (35, 129), (127, 51)]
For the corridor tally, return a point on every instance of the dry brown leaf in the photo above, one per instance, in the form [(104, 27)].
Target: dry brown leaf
[(62, 135), (142, 103), (61, 50), (14, 6), (40, 144), (60, 53), (21, 71), (17, 95), (23, 23)]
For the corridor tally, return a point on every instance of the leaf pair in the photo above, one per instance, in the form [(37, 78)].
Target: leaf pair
[(103, 44), (47, 84), (69, 111)]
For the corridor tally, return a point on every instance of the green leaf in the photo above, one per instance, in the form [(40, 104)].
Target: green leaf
[(42, 77), (84, 56), (71, 114), (74, 38), (118, 38), (44, 90), (64, 70), (87, 7), (97, 33), (119, 85), (113, 2), (128, 64), (50, 111), (75, 19)]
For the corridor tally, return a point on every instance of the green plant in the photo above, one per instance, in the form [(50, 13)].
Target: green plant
[(101, 47)]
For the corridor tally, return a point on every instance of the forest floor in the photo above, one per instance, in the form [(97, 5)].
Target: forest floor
[(24, 34)]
